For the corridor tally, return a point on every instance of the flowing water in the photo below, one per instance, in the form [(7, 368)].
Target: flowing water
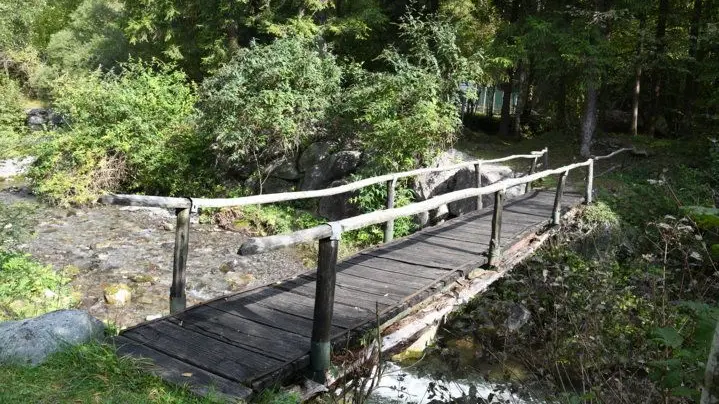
[(105, 245)]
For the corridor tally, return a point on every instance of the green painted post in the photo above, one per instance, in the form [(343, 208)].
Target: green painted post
[(320, 346)]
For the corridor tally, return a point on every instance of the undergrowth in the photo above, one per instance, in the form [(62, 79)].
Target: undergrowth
[(89, 374), (622, 305)]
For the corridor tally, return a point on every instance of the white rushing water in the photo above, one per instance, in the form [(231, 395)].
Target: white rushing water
[(400, 385)]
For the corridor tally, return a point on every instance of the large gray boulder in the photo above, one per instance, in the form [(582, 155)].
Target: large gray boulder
[(465, 178), (285, 169), (332, 168), (43, 118), (270, 185), (31, 341), (338, 207), (313, 154), (437, 183)]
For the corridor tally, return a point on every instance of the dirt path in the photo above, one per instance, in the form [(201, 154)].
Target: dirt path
[(107, 245)]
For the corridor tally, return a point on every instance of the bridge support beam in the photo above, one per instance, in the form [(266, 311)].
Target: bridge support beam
[(557, 210), (178, 300), (590, 183), (495, 249), (389, 225), (320, 347)]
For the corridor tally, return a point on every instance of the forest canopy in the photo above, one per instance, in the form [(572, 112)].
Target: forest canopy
[(258, 80)]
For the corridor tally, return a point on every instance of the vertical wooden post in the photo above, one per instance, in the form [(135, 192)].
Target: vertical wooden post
[(557, 211), (389, 226), (532, 169), (590, 183), (178, 300), (324, 305), (546, 159), (478, 172), (495, 249)]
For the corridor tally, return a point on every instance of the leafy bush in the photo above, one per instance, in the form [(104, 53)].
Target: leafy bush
[(406, 115), (374, 198), (93, 37), (28, 289), (12, 116), (129, 131), (268, 100)]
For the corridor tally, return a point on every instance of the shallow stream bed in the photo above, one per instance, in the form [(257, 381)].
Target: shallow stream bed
[(105, 245)]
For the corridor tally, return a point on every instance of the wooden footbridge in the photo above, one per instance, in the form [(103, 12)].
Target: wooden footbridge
[(240, 343)]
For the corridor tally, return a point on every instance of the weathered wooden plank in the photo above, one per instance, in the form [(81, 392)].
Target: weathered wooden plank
[(419, 271), (305, 285), (415, 245), (182, 373), (415, 255), (300, 305), (278, 344), (480, 239), (394, 292), (263, 315), (458, 246), (396, 278), (218, 357)]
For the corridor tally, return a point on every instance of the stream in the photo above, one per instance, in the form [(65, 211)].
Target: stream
[(105, 245)]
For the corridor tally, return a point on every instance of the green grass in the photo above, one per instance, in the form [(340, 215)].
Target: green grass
[(90, 373)]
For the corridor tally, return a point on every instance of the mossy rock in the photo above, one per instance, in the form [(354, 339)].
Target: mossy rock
[(705, 218), (715, 251)]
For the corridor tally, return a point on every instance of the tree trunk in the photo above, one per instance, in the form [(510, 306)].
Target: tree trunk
[(505, 119), (521, 97), (638, 77), (529, 94), (589, 120), (658, 74), (233, 43), (490, 103), (635, 99), (710, 392), (690, 89)]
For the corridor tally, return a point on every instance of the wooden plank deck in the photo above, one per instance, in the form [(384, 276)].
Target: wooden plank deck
[(243, 342)]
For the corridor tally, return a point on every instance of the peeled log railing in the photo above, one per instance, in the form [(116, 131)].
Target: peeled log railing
[(329, 234)]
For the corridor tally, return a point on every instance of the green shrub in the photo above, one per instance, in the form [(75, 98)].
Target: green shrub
[(93, 37), (12, 116), (28, 289), (268, 101), (129, 131), (404, 116)]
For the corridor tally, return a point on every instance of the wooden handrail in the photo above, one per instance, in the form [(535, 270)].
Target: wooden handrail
[(258, 245), (170, 202)]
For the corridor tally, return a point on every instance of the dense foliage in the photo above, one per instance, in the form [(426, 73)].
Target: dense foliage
[(128, 129), (269, 100), (12, 117)]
